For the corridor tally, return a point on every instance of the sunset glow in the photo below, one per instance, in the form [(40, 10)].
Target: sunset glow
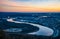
[(30, 5)]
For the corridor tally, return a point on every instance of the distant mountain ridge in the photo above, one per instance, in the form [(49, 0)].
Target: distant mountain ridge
[(36, 14)]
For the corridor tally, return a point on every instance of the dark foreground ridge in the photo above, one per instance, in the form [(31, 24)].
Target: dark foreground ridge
[(23, 36)]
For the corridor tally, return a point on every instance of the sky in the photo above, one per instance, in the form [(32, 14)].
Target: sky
[(29, 5)]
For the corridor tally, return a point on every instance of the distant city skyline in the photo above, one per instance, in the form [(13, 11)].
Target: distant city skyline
[(29, 5)]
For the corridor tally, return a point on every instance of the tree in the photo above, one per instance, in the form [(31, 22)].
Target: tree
[(2, 34)]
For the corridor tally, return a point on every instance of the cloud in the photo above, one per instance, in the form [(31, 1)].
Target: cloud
[(20, 0), (34, 0), (30, 3)]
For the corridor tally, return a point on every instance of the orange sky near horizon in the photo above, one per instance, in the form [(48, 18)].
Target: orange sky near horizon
[(23, 6)]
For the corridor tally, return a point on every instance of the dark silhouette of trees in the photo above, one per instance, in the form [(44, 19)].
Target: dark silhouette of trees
[(2, 34)]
